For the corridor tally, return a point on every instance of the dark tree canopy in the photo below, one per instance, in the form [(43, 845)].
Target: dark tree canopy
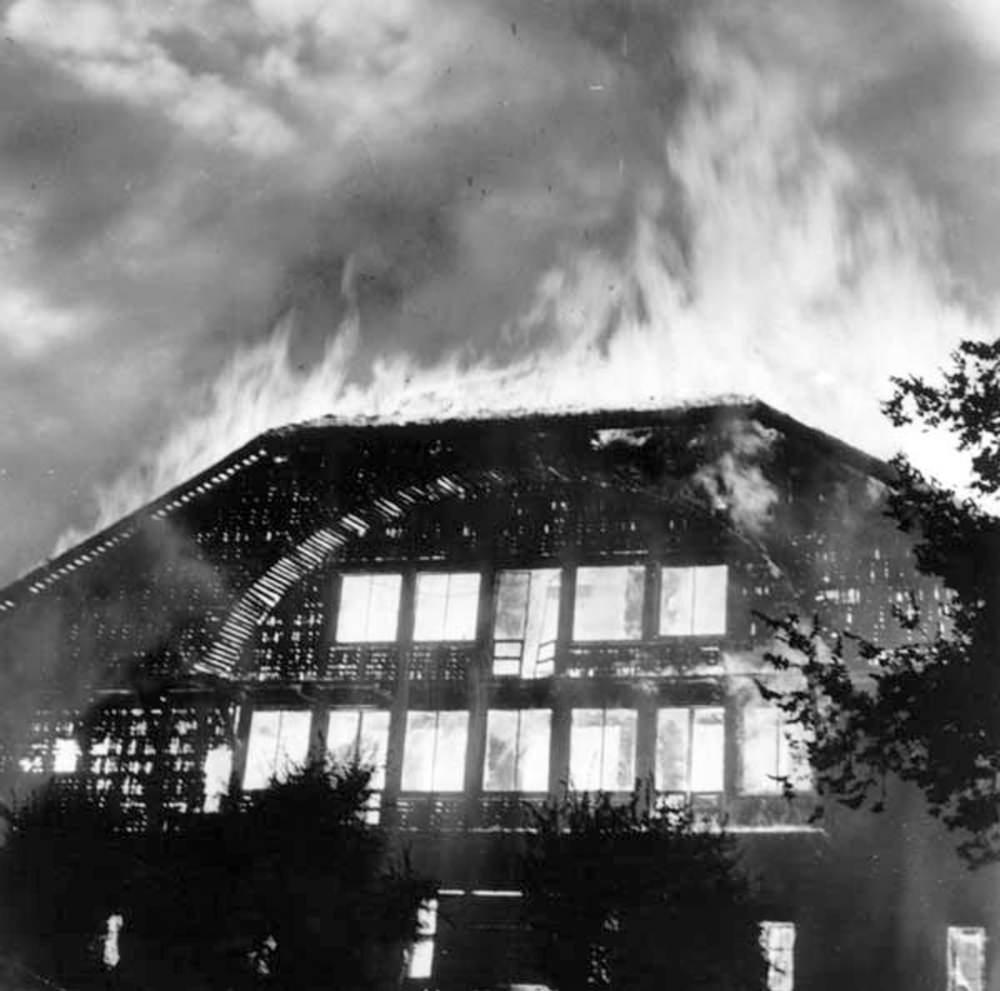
[(621, 898), (288, 889), (927, 711)]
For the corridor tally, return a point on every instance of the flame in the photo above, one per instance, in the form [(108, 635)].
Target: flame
[(797, 277)]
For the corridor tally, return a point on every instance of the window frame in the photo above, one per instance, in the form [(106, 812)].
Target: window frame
[(604, 710), (434, 789), (778, 978), (691, 714), (976, 982), (344, 576), (543, 665), (276, 774), (694, 568), (640, 633), (417, 635), (518, 752), (787, 765)]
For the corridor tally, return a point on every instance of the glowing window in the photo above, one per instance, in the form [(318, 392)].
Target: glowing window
[(769, 756), (421, 964), (693, 601), (777, 940), (602, 749), (65, 755), (966, 958), (690, 749), (434, 754), (608, 603), (517, 750), (369, 608), (447, 606), (278, 744), (217, 769), (526, 623), (362, 736)]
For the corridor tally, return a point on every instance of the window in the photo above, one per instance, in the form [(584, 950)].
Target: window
[(768, 756), (608, 603), (434, 755), (369, 608), (65, 755), (690, 749), (279, 742), (693, 601), (447, 606), (421, 964), (217, 769), (966, 958), (777, 939), (517, 750), (526, 623), (602, 749), (360, 735)]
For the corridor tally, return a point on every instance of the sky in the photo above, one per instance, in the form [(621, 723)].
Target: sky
[(217, 217)]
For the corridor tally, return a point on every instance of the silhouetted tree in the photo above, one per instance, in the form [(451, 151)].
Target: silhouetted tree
[(926, 712), (288, 889), (623, 898)]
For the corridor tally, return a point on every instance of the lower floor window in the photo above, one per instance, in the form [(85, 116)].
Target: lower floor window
[(278, 744), (690, 749), (217, 768), (772, 753), (434, 752), (966, 958), (517, 750), (777, 939), (602, 749), (421, 963)]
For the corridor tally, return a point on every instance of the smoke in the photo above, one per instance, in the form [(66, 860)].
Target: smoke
[(739, 245)]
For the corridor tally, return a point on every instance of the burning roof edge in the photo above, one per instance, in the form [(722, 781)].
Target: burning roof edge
[(273, 442)]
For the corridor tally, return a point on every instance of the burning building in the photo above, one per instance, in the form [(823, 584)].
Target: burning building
[(488, 611)]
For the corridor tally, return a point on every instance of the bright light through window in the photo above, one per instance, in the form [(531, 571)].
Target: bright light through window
[(434, 753), (690, 747), (369, 608), (65, 755), (421, 964), (777, 939), (608, 603), (517, 750), (526, 625), (446, 606), (693, 601), (602, 749), (360, 735), (966, 958), (278, 744), (217, 769), (767, 754)]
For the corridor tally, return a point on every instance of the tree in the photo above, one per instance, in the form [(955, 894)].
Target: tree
[(290, 888), (621, 897), (927, 713)]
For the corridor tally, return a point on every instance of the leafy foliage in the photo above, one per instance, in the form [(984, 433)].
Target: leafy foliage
[(622, 897), (924, 711), (289, 889)]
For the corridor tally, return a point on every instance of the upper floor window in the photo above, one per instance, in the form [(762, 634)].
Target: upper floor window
[(447, 605), (609, 603), (602, 749), (693, 601), (966, 958), (690, 749), (278, 744), (434, 752), (517, 750), (526, 622), (65, 755), (369, 608), (768, 755), (362, 736), (777, 940)]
